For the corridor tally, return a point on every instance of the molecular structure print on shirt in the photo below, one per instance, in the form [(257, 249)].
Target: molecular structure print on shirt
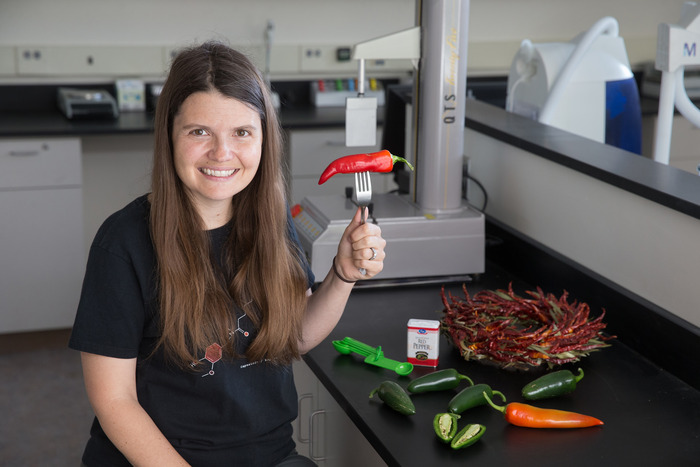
[(213, 354), (238, 324)]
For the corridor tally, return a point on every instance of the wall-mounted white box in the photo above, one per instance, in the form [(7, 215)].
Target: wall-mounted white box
[(90, 60), (7, 61)]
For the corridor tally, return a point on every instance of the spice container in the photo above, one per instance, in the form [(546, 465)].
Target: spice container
[(423, 342)]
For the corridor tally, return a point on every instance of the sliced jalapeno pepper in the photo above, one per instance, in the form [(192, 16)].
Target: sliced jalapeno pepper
[(471, 397), (467, 436), (445, 426), (440, 380), (552, 384)]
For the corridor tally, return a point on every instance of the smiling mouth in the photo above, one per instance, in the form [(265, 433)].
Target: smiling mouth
[(218, 173)]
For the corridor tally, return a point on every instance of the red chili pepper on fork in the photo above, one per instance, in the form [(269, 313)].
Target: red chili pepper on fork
[(536, 417), (380, 161)]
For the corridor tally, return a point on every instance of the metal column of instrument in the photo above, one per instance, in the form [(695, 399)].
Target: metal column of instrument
[(432, 232)]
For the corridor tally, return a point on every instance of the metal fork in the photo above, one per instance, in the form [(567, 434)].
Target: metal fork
[(363, 196)]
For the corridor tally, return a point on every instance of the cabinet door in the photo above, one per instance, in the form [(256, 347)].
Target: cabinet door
[(343, 444), (307, 393), (322, 431), (42, 254), (41, 258), (310, 152)]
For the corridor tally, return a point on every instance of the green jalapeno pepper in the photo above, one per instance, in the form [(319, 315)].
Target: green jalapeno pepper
[(440, 380), (552, 385), (469, 435), (445, 426), (395, 397), (472, 396)]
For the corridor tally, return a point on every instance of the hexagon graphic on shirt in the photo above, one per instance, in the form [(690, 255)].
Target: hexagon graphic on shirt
[(212, 354)]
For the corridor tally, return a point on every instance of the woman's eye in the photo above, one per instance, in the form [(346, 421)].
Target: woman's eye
[(242, 133), (199, 132)]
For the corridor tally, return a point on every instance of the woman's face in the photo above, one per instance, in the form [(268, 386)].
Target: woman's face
[(217, 142)]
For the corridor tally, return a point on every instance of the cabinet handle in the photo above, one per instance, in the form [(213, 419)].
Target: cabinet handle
[(29, 152), (335, 143), (299, 417), (311, 440), (24, 153)]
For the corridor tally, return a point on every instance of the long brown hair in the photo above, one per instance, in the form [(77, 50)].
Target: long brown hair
[(262, 274)]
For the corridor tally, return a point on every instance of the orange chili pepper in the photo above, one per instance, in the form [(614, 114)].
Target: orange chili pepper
[(537, 417)]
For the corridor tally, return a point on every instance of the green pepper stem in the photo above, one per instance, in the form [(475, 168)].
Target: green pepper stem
[(471, 383), (500, 394), (490, 402), (578, 377), (395, 159), (374, 391)]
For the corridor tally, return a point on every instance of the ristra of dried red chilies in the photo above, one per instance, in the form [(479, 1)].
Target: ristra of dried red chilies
[(517, 332)]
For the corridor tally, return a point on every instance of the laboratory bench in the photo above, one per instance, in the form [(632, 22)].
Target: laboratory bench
[(53, 123), (650, 415), (644, 386), (31, 110)]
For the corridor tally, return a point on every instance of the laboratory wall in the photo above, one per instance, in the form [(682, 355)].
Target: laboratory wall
[(644, 247), (496, 26)]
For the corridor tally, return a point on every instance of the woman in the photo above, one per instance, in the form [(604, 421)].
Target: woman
[(196, 297)]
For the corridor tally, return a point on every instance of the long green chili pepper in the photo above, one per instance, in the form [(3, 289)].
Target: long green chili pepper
[(380, 161), (440, 380), (467, 436), (445, 426), (471, 397), (552, 385)]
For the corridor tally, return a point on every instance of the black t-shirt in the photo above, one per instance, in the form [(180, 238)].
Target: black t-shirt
[(231, 412)]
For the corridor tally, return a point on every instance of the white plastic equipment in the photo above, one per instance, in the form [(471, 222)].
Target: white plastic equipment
[(568, 85), (676, 48)]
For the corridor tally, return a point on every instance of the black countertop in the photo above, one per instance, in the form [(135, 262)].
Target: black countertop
[(50, 123), (651, 417)]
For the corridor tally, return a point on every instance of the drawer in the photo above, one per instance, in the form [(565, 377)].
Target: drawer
[(40, 163)]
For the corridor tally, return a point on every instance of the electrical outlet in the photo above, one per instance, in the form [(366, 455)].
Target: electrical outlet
[(32, 60), (323, 58)]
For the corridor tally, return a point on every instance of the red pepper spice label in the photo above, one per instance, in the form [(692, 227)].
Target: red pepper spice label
[(423, 342)]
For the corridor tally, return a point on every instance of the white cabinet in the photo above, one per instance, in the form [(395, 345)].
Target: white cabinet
[(323, 432), (310, 152), (42, 255)]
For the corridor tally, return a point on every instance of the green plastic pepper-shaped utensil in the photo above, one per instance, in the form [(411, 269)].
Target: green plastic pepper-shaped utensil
[(445, 426), (552, 385)]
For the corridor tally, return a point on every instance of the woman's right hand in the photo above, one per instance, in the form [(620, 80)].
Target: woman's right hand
[(361, 247)]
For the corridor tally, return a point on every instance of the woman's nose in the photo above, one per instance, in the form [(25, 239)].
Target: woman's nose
[(223, 150)]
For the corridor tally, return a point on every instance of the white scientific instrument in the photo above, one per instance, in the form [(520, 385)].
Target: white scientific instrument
[(677, 48), (431, 233), (584, 86)]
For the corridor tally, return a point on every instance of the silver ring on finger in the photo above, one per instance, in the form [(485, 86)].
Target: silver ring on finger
[(374, 254)]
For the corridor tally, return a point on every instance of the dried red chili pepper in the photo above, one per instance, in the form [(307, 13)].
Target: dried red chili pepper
[(513, 331), (536, 417), (381, 161)]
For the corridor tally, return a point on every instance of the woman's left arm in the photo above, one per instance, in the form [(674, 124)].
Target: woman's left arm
[(361, 246)]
